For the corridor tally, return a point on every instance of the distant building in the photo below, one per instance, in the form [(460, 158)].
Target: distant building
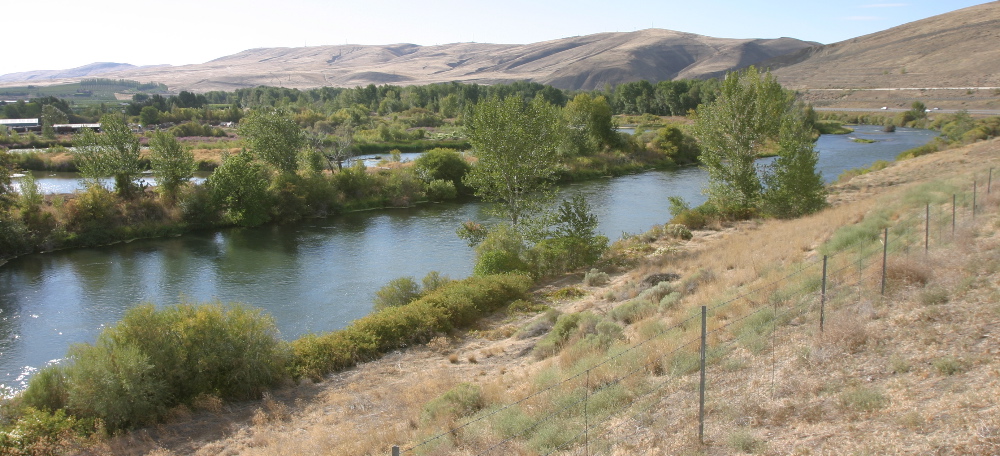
[(74, 128), (21, 125)]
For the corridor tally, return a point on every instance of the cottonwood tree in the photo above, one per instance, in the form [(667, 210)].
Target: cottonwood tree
[(114, 152), (172, 165), (515, 144), (793, 186), (744, 120), (273, 137), (240, 186)]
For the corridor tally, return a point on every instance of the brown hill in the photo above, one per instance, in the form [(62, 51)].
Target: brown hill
[(583, 62), (956, 49)]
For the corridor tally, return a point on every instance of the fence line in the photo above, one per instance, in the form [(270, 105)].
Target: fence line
[(840, 286)]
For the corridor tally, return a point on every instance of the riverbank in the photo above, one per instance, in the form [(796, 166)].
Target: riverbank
[(385, 402)]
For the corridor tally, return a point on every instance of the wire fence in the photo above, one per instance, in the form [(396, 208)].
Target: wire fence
[(610, 406)]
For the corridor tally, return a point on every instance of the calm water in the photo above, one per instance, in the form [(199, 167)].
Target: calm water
[(315, 276)]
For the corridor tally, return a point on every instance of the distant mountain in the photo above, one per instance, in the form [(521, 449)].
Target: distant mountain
[(584, 62), (956, 49), (99, 69)]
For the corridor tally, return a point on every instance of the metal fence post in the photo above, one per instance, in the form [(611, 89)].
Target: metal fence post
[(954, 200), (927, 228), (395, 450), (701, 393), (885, 254), (975, 186), (989, 183), (586, 416), (822, 296)]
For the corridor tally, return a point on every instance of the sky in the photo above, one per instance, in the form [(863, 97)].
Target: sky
[(70, 33)]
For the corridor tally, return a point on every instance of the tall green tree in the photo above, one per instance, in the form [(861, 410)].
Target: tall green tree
[(589, 125), (172, 165), (515, 144), (240, 186), (273, 137), (733, 130), (793, 186), (114, 152)]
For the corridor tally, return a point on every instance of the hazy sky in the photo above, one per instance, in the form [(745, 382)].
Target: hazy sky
[(61, 34)]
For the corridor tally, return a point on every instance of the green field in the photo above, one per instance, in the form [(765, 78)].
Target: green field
[(88, 91)]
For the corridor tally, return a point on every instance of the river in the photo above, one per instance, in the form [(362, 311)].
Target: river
[(317, 275)]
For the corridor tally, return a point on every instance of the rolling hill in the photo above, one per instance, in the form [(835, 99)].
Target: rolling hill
[(583, 62)]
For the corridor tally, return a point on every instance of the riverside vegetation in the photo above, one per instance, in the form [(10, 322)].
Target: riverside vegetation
[(63, 402)]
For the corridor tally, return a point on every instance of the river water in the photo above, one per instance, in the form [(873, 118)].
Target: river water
[(317, 275)]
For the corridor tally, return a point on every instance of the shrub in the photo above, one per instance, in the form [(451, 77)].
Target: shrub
[(155, 359), (634, 310), (40, 432), (47, 390), (397, 292), (462, 400), (863, 399), (596, 278), (678, 231), (93, 215), (948, 365), (455, 305), (441, 190)]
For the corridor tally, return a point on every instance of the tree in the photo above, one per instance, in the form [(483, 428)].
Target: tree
[(7, 194), (589, 124), (918, 110), (793, 187), (273, 137), (240, 186), (733, 130), (515, 144), (114, 152), (442, 164), (172, 165), (149, 116)]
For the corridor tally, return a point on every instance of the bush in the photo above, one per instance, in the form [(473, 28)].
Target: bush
[(396, 293), (633, 311), (155, 359), (462, 400), (455, 305), (678, 231), (441, 190), (596, 278)]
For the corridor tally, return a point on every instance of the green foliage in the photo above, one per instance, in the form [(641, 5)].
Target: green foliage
[(93, 215), (863, 399), (572, 241), (832, 127), (172, 165), (948, 365), (733, 131), (432, 281), (42, 432), (155, 359), (589, 127), (240, 187), (149, 115), (515, 144), (596, 278), (441, 190), (442, 164), (114, 152), (501, 251), (397, 292), (634, 310), (455, 305), (273, 137), (678, 231), (793, 186), (460, 401), (679, 147), (193, 128), (47, 389)]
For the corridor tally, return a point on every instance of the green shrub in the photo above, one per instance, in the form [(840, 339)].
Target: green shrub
[(678, 231), (455, 305), (397, 292), (863, 399), (462, 400), (596, 278), (155, 359), (40, 432), (441, 190), (47, 389), (633, 311), (669, 302), (948, 365)]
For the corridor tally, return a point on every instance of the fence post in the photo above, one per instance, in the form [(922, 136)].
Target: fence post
[(954, 200), (701, 393), (989, 183), (927, 228), (395, 450), (885, 254), (822, 296), (586, 416), (975, 186)]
